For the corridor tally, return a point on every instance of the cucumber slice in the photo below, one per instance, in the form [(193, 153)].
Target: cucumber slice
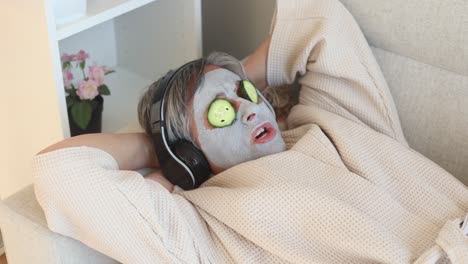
[(221, 113), (249, 91)]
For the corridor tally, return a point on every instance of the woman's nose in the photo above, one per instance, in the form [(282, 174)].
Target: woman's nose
[(248, 111), (248, 118)]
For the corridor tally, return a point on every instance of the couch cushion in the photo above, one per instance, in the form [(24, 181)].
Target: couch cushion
[(422, 48), (27, 237), (433, 108), (431, 31), (25, 204)]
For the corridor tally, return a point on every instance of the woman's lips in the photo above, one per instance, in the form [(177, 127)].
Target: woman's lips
[(263, 133)]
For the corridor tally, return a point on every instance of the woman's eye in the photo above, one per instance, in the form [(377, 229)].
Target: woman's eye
[(248, 91), (221, 113), (239, 92)]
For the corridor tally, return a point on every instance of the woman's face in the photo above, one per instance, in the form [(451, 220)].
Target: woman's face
[(253, 134)]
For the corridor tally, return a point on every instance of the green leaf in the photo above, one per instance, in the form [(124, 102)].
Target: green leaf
[(109, 72), (104, 90), (81, 113), (82, 65), (66, 65), (71, 92), (70, 101)]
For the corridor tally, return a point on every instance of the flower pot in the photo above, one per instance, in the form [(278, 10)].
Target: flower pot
[(95, 123)]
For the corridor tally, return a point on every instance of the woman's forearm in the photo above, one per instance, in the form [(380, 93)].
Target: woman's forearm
[(131, 151), (256, 65)]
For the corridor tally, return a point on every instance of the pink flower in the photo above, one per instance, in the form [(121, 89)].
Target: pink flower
[(87, 90), (67, 78), (97, 73), (67, 57), (81, 56)]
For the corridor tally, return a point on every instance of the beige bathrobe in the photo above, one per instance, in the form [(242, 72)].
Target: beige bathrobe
[(347, 190)]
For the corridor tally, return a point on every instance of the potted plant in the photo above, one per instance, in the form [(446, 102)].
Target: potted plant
[(84, 95)]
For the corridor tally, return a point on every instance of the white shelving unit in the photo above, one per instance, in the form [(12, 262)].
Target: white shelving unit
[(140, 39), (99, 11)]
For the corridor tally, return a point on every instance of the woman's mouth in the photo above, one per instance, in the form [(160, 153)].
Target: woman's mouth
[(263, 133)]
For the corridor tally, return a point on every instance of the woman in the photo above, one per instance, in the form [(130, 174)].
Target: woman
[(348, 189)]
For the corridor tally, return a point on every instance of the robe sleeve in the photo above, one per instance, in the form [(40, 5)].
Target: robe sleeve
[(319, 41), (86, 196)]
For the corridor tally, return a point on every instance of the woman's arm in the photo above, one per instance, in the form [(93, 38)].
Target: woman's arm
[(85, 195), (256, 63), (132, 151)]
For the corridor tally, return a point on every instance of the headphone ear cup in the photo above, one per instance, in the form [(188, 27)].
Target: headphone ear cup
[(194, 159), (176, 174)]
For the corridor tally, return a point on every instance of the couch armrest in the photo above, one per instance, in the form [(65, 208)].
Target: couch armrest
[(28, 240)]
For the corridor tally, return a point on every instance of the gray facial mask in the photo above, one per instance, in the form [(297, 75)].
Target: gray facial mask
[(228, 146)]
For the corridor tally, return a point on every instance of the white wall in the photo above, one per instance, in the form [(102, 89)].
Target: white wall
[(30, 116), (32, 94), (30, 107), (236, 27)]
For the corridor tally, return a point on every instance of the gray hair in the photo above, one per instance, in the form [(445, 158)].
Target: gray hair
[(179, 94)]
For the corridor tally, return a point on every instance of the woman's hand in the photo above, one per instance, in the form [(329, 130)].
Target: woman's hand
[(158, 177), (256, 63)]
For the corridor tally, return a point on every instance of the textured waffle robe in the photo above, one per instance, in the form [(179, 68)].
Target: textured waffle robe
[(349, 189)]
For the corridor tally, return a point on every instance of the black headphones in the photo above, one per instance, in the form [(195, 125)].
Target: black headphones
[(182, 163)]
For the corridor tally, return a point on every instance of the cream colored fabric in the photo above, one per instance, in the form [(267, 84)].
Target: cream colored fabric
[(433, 108), (84, 195), (28, 240), (348, 190), (422, 47), (430, 31)]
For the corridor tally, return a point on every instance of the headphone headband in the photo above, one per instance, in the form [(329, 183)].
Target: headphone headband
[(182, 163)]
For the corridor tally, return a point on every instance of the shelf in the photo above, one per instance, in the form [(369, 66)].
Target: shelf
[(120, 108), (99, 11)]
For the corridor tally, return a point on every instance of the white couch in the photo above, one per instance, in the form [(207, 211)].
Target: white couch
[(422, 47)]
